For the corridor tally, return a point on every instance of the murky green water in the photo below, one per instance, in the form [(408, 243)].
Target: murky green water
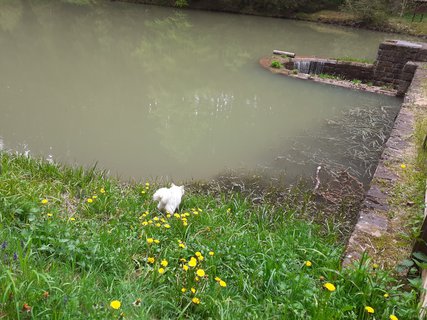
[(149, 91)]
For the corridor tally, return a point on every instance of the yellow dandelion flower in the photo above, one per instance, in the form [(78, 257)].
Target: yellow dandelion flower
[(143, 192), (217, 279), (90, 200), (200, 272), (151, 259), (183, 290), (156, 241), (193, 290), (185, 223), (181, 245), (211, 253), (186, 214), (369, 309), (166, 225), (228, 210), (403, 166), (72, 219), (94, 196), (176, 215), (308, 264), (158, 224), (183, 260), (386, 295), (168, 215), (393, 317), (147, 184), (195, 300), (144, 223), (375, 266), (164, 263), (329, 286), (185, 267), (200, 210), (45, 201), (197, 279), (163, 220), (49, 214), (193, 262), (156, 219), (198, 254), (161, 270), (150, 221), (150, 240), (201, 258), (102, 190), (222, 283), (115, 304)]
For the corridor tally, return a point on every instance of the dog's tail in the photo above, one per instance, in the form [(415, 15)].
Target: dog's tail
[(159, 194)]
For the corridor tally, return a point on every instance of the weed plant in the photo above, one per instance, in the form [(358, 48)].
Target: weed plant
[(75, 244)]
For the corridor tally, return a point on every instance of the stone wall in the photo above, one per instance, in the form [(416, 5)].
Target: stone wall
[(393, 55)]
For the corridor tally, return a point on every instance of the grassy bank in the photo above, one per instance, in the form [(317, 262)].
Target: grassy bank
[(78, 245), (396, 24)]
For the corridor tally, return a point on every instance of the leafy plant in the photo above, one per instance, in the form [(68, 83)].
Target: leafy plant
[(276, 64)]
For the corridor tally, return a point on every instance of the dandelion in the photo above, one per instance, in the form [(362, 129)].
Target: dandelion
[(386, 295), (176, 215), (166, 225), (195, 300), (403, 166), (90, 200), (197, 279), (329, 286), (228, 210), (185, 267), (168, 215), (217, 279), (308, 264), (222, 283), (94, 196), (369, 309), (193, 290), (115, 304), (45, 201), (150, 221), (393, 317), (147, 184), (150, 240), (156, 241), (151, 260), (72, 219), (211, 253), (183, 290), (102, 190), (181, 245), (143, 192), (49, 214), (186, 214), (144, 223), (137, 303), (161, 270), (156, 219), (375, 266), (198, 254), (200, 210), (164, 263), (193, 262), (182, 260), (201, 258), (185, 223), (200, 272), (158, 224)]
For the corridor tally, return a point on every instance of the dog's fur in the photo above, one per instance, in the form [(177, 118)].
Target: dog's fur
[(169, 198)]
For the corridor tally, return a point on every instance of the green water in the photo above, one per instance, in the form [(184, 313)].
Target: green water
[(150, 91)]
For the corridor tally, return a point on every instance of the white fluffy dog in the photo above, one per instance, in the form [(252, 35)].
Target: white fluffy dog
[(169, 198)]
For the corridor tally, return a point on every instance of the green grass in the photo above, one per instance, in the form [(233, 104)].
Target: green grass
[(328, 76), (70, 257), (276, 64), (353, 59)]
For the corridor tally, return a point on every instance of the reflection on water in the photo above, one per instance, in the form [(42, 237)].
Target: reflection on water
[(148, 91)]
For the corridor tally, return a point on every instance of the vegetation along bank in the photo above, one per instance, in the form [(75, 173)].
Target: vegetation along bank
[(382, 15), (76, 244)]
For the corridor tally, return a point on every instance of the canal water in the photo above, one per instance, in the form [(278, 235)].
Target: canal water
[(147, 92)]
